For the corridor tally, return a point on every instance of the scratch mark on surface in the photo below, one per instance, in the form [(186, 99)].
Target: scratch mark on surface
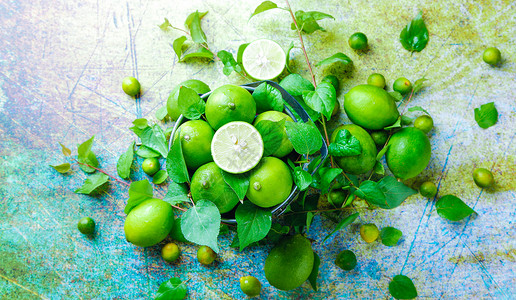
[(23, 287)]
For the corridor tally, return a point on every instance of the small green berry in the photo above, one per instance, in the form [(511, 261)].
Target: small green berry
[(86, 225), (250, 286), (424, 123), (170, 252), (369, 232), (492, 56), (205, 255), (428, 189), (358, 41), (376, 80), (380, 137), (131, 86), (337, 197), (346, 260), (402, 85), (150, 166), (483, 177)]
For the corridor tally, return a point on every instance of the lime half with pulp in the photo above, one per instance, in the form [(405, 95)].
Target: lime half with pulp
[(237, 147), (264, 59)]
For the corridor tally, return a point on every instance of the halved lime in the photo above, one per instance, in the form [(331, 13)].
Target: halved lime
[(264, 59), (237, 147)]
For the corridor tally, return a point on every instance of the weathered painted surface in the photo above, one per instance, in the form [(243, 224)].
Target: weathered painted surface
[(61, 67)]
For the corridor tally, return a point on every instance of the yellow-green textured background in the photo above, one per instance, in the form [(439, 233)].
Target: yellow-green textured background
[(61, 66)]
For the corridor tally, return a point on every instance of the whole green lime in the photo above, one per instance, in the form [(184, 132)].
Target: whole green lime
[(208, 184), (380, 137), (376, 79), (86, 225), (172, 106), (408, 153), (150, 166), (286, 145), (229, 103), (170, 252), (357, 164), (358, 41), (205, 255), (131, 86), (270, 182), (428, 189), (250, 285), (370, 107), (337, 197), (369, 232), (149, 223), (483, 177), (346, 260), (424, 123), (402, 85), (196, 136), (492, 56), (289, 263)]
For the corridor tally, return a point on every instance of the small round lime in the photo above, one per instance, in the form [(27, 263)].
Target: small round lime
[(150, 166), (402, 85), (131, 86), (483, 177), (358, 41), (250, 286), (170, 252), (492, 56), (428, 189), (333, 80), (86, 225), (424, 123), (369, 232), (337, 197), (346, 260), (205, 255), (380, 137), (376, 80)]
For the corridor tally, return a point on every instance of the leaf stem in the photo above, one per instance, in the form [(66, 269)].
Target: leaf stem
[(327, 139), (101, 171), (407, 102)]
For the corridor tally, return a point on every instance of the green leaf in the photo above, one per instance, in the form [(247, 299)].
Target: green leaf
[(203, 53), (305, 137), (160, 177), (309, 218), (315, 272), (172, 289), (371, 192), (92, 183), (164, 26), (418, 85), (396, 95), (177, 45), (418, 108), (343, 223), (404, 120), (390, 236), (414, 36), (139, 126), (264, 6), (272, 135), (382, 152), (238, 183), (176, 166), (191, 16), (65, 150), (345, 145), (62, 168), (486, 115), (146, 152), (287, 63), (123, 166), (395, 192), (321, 100), (327, 175), (86, 156), (267, 98), (161, 113), (379, 168), (240, 52), (294, 84), (396, 124), (229, 62), (302, 178), (177, 193), (337, 57), (139, 191), (154, 138), (190, 104), (401, 287), (201, 224), (253, 223), (196, 32), (307, 21), (452, 208)]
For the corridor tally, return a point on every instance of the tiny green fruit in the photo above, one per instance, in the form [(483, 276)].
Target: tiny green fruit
[(492, 56), (483, 177), (358, 41), (131, 86), (333, 80), (150, 166), (424, 123), (205, 255), (250, 286), (337, 197), (170, 252), (380, 137), (402, 85), (369, 232), (428, 189), (346, 260), (376, 80), (86, 225)]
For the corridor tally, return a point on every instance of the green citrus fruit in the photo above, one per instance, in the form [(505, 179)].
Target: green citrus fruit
[(208, 184), (205, 255), (370, 107), (131, 86), (250, 285), (86, 225), (264, 59), (369, 232), (172, 106), (230, 103), (402, 85), (357, 164), (408, 153), (286, 146), (149, 223), (150, 166), (380, 137), (492, 56), (337, 197), (333, 80), (376, 80), (270, 182), (483, 177), (170, 252), (289, 263), (346, 260), (196, 137), (428, 189), (358, 41), (424, 123)]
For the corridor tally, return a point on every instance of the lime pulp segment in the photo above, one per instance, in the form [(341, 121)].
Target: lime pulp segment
[(237, 147), (264, 59)]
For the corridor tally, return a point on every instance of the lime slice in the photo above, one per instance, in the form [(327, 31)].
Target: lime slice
[(237, 147), (263, 59)]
